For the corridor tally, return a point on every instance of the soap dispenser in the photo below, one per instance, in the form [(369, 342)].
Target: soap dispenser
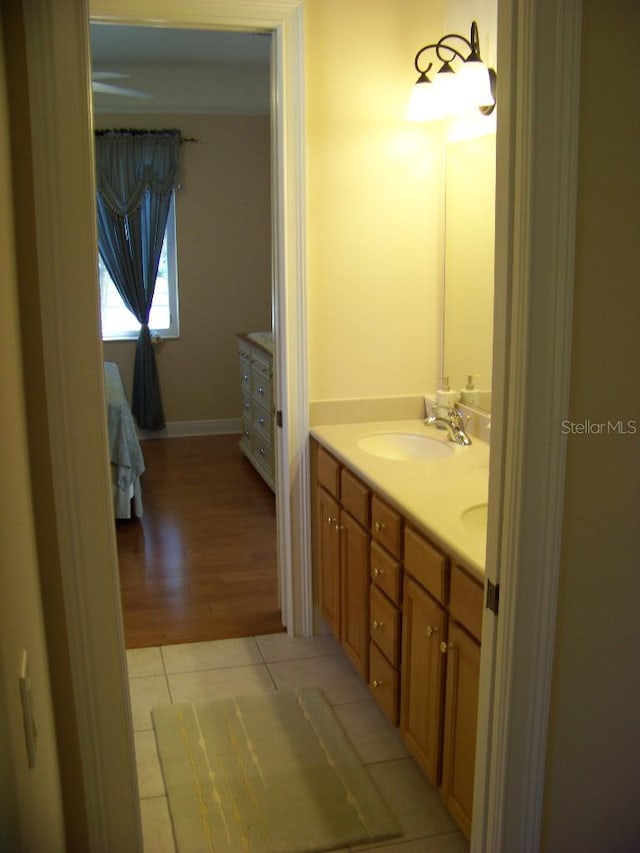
[(445, 396), (470, 394)]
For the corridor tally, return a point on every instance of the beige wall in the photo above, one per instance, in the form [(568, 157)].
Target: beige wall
[(593, 770), (30, 802), (375, 201), (223, 220)]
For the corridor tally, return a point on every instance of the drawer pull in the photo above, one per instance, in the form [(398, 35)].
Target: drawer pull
[(377, 625), (377, 573), (377, 682), (431, 630), (379, 526), (445, 647)]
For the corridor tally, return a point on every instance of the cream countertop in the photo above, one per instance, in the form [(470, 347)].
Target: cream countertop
[(432, 495)]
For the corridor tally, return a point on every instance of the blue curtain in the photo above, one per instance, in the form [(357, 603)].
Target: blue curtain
[(136, 173)]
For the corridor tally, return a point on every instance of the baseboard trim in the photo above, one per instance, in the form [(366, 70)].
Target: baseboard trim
[(182, 429)]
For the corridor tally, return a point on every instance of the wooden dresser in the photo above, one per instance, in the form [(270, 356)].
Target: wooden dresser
[(255, 350)]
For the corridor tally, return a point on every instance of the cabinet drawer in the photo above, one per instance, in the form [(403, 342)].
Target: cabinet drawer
[(328, 472), (386, 526), (465, 601), (426, 564), (262, 422), (263, 451), (386, 573), (245, 375), (355, 497), (384, 683), (384, 619), (261, 389)]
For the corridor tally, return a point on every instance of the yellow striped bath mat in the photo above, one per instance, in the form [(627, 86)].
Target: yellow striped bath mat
[(272, 773)]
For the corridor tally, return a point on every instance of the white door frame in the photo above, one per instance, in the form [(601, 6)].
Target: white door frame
[(537, 149), (284, 19)]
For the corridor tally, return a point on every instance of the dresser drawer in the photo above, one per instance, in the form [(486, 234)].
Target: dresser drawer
[(386, 526), (426, 564), (263, 451), (261, 389), (386, 573), (355, 497), (384, 682), (465, 601), (328, 472), (262, 422), (384, 620), (245, 375)]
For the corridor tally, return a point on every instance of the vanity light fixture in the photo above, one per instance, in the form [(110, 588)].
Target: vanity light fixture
[(451, 92)]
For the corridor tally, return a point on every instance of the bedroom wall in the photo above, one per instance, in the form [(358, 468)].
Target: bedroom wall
[(223, 221)]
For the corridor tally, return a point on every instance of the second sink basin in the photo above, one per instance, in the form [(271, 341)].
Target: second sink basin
[(404, 446), (475, 519)]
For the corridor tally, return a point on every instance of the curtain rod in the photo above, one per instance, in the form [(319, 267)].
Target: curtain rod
[(141, 130)]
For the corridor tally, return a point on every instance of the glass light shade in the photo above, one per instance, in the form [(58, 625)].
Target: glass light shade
[(448, 90), (424, 103), (475, 86)]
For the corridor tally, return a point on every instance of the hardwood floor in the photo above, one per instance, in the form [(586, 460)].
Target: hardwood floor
[(201, 564)]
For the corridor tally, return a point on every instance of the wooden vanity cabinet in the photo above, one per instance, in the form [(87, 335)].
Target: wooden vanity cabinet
[(342, 556), (423, 677), (385, 618), (461, 697), (409, 620)]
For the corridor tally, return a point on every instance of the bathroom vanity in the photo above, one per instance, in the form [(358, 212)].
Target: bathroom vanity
[(399, 539)]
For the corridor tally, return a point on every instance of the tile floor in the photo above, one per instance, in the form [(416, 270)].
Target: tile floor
[(196, 671)]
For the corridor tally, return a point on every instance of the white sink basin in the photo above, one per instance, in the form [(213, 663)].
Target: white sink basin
[(405, 446), (475, 519)]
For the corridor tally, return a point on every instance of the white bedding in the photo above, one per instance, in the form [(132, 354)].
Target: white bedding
[(127, 463)]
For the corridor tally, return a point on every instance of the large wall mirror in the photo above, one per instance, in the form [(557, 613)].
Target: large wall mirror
[(469, 254)]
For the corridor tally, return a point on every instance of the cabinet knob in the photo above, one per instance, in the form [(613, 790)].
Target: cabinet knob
[(377, 573), (444, 647), (261, 420), (379, 526), (260, 389), (377, 625), (331, 521), (339, 526), (377, 682), (245, 377), (262, 451), (431, 630)]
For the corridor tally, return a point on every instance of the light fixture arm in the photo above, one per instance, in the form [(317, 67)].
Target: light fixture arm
[(447, 53), (472, 43)]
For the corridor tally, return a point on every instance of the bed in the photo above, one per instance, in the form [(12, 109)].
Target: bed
[(127, 463)]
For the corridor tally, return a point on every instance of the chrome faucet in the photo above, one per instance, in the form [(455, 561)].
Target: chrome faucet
[(453, 423)]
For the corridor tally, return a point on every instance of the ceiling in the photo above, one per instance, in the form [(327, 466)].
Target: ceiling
[(180, 70)]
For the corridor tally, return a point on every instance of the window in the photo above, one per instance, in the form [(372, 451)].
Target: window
[(118, 323)]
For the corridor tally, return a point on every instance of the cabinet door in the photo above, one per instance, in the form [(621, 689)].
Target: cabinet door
[(329, 559), (422, 680), (354, 569), (461, 715)]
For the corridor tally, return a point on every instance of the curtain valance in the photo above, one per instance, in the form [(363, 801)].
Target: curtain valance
[(130, 163)]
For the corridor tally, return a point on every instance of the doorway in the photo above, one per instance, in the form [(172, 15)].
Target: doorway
[(191, 549)]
